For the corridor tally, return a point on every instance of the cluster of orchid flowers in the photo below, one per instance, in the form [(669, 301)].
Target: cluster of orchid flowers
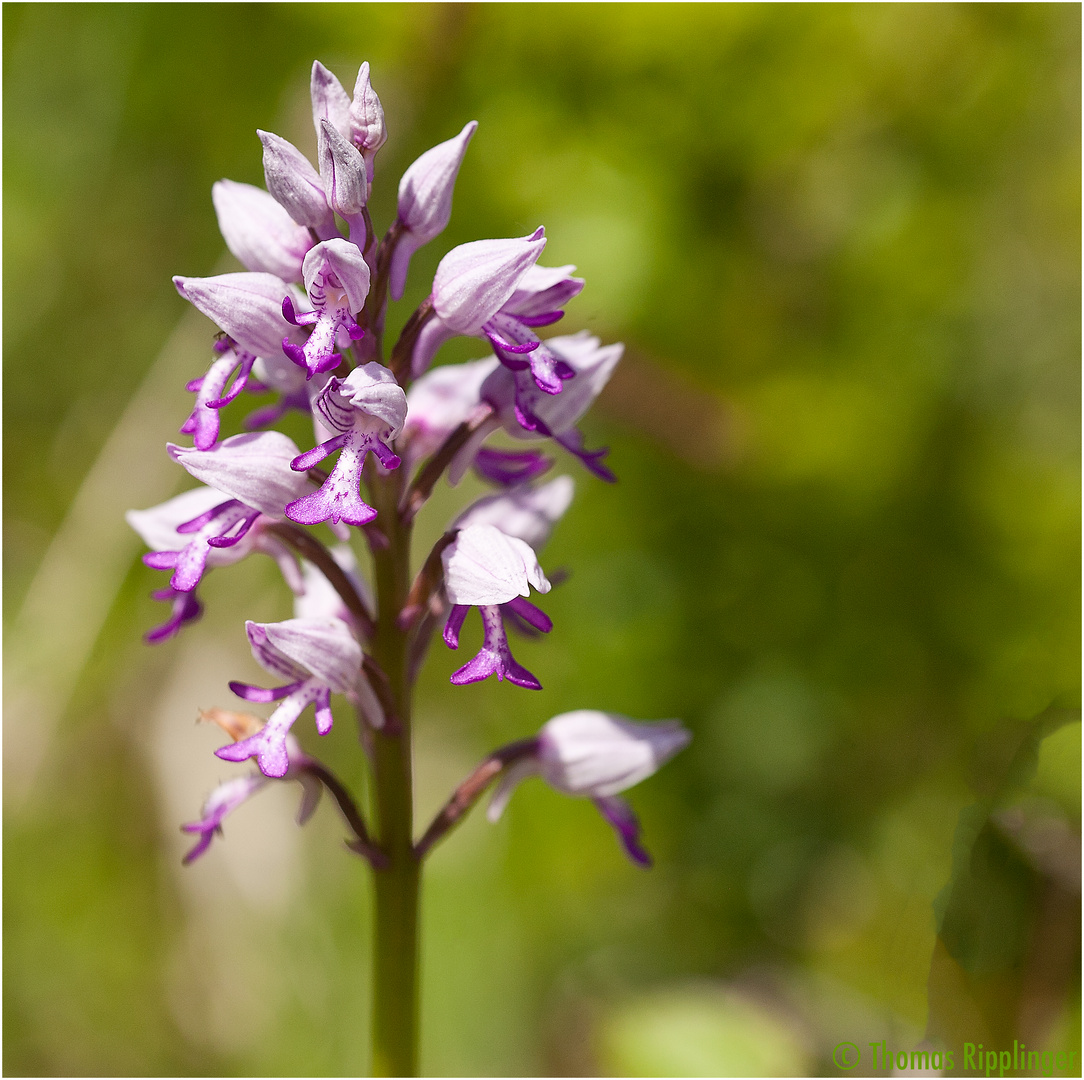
[(305, 321)]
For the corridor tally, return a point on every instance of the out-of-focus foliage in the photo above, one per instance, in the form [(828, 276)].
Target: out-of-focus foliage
[(842, 246)]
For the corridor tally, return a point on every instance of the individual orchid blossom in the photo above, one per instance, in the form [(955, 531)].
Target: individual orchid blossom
[(367, 409), (306, 320), (337, 282), (181, 535), (425, 202), (595, 755), (471, 285), (538, 300), (318, 657), (485, 568)]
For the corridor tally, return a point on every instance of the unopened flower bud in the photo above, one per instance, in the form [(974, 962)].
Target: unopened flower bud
[(342, 172), (293, 181)]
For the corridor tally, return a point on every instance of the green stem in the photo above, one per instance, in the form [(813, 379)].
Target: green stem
[(395, 924)]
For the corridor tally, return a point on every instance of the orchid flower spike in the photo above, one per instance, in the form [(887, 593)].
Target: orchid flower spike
[(228, 796), (595, 755), (425, 202), (337, 282), (318, 657), (485, 568), (471, 285), (258, 231), (367, 409)]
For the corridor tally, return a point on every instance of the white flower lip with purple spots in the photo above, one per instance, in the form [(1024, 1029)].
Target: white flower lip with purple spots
[(425, 201), (337, 282), (367, 409)]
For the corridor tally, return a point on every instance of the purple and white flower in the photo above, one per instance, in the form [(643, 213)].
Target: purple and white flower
[(319, 657), (471, 285), (368, 410), (221, 523), (595, 755), (485, 568), (337, 282)]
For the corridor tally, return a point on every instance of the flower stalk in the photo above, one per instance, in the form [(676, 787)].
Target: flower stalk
[(396, 886)]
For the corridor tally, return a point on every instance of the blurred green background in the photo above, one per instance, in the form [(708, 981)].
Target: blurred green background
[(842, 245)]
